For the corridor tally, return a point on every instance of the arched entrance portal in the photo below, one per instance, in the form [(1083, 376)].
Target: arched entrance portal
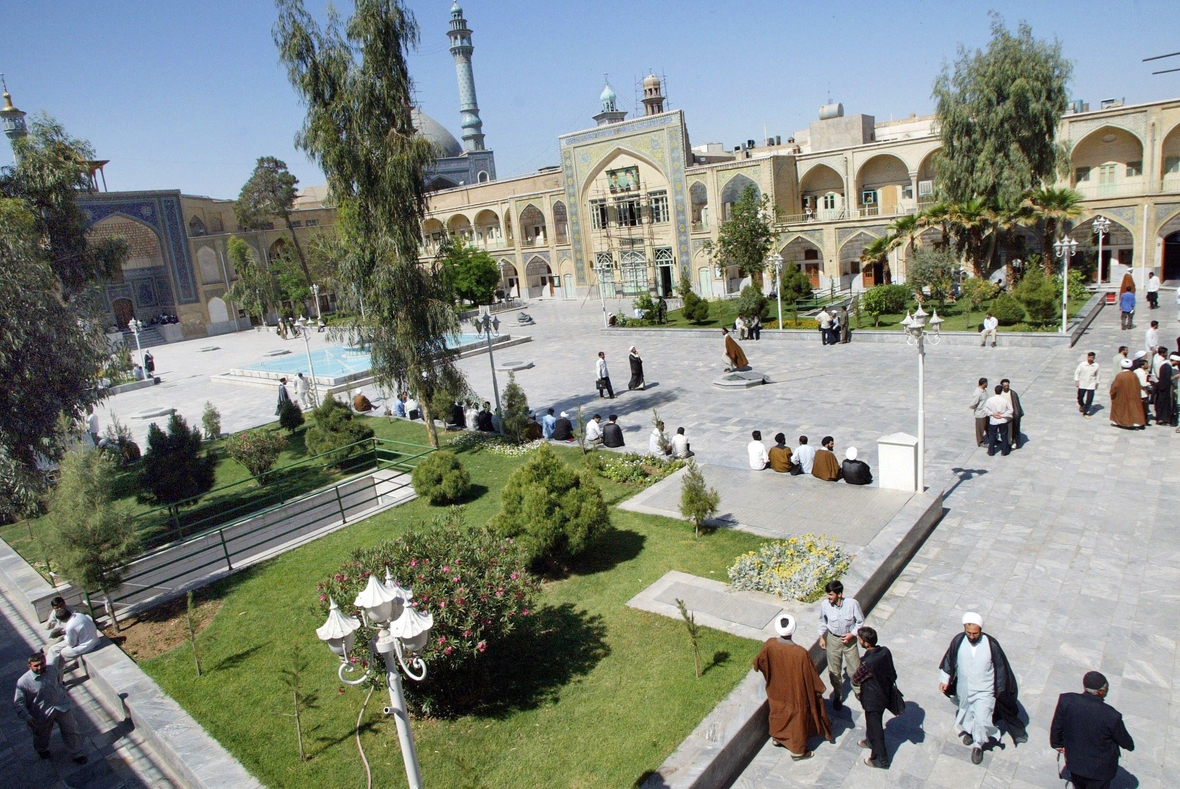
[(1172, 256), (124, 311), (540, 278)]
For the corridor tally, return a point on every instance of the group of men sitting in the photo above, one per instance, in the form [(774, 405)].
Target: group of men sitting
[(806, 459)]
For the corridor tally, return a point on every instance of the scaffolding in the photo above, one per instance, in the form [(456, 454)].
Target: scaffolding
[(625, 246)]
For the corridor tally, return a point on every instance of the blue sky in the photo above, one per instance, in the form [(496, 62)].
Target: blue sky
[(187, 95)]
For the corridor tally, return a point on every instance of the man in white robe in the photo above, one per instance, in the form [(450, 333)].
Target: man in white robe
[(976, 672)]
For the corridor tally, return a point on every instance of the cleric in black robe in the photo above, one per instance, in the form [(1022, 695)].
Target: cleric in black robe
[(1165, 395), (1017, 413), (636, 381), (1006, 708)]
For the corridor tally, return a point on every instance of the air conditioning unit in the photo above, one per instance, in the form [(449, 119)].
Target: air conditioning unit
[(868, 197)]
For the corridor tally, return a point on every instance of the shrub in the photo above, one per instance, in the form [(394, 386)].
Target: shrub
[(174, 469), (514, 421), (1007, 310), (257, 450), (646, 306), (211, 421), (441, 479), (885, 300), (696, 309), (975, 290), (932, 269), (472, 581), (753, 302), (290, 416), (698, 502), (795, 283), (628, 469), (1038, 295), (120, 444), (799, 567), (336, 434), (552, 510)]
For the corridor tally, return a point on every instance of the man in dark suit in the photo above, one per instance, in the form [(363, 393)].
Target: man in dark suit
[(1089, 732), (612, 434)]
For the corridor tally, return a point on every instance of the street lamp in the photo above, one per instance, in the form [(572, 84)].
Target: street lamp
[(315, 294), (487, 326), (1065, 249), (1101, 227), (598, 271), (776, 263), (304, 326), (402, 632), (916, 334), (136, 327)]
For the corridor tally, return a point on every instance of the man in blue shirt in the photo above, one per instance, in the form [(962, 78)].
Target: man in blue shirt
[(1127, 308), (41, 701), (547, 423), (399, 405)]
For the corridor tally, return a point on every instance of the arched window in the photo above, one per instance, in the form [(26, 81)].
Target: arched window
[(196, 227), (699, 196), (560, 222), (734, 190)]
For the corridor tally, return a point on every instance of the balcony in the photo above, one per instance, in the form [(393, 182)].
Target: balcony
[(845, 214), (1092, 191)]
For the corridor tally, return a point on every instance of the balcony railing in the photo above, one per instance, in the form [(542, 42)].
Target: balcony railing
[(846, 214)]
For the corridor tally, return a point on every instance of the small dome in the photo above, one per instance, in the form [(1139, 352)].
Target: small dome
[(651, 81), (456, 10), (608, 95), (444, 142)]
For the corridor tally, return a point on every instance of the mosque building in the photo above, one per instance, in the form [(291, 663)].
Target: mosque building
[(633, 206)]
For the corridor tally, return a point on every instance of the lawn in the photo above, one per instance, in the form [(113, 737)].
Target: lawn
[(234, 493), (957, 318), (596, 695), (723, 313)]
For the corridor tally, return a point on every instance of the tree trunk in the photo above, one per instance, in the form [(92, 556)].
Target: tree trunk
[(431, 430), (298, 250), (110, 607)]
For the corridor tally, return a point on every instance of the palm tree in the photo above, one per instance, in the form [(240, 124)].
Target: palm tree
[(1052, 207), (935, 215), (972, 222), (906, 227), (877, 251)]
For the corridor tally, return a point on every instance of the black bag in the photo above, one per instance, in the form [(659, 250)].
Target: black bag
[(896, 703), (797, 469)]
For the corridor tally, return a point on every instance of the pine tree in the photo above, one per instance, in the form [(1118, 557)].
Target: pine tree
[(174, 467), (698, 502), (515, 419)]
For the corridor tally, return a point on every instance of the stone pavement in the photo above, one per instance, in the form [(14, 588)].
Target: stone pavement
[(118, 756), (1068, 549)]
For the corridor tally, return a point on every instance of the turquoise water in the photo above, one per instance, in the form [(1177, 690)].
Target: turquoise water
[(337, 362)]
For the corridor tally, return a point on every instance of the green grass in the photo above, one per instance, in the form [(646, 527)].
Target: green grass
[(956, 317), (601, 695), (234, 493)]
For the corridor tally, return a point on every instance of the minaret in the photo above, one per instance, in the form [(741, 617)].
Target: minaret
[(610, 112), (11, 118), (653, 99), (461, 49)]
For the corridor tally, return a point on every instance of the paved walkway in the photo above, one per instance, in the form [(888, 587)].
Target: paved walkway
[(118, 757), (1068, 549)]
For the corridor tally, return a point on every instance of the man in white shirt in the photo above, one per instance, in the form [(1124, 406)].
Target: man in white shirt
[(758, 457), (302, 390), (990, 325), (805, 455), (1085, 378), (593, 430), (657, 442), (839, 619), (825, 326), (680, 448), (1151, 338), (602, 376), (79, 636), (999, 412), (1153, 291)]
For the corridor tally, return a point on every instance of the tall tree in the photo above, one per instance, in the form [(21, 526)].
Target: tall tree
[(998, 113), (270, 192), (254, 290), (745, 239), (355, 82), (1051, 207), (51, 341)]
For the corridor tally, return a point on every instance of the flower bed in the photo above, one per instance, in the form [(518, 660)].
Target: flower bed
[(799, 567), (641, 470)]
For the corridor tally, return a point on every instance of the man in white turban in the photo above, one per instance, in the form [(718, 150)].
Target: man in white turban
[(794, 690), (975, 672)]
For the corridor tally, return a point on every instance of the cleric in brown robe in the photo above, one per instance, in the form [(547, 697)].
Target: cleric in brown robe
[(826, 467), (1126, 402), (1128, 284), (735, 359), (794, 690)]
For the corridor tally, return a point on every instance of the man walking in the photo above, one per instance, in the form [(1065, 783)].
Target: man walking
[(284, 397), (1151, 339), (1017, 413), (794, 690), (602, 380), (41, 701), (976, 672), (302, 391), (1153, 291), (1126, 309), (1085, 378), (999, 416), (877, 680), (979, 406), (839, 621), (991, 326), (1122, 354), (1089, 733)]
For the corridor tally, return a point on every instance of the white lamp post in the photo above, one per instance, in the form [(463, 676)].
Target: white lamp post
[(136, 326), (402, 632), (487, 326), (917, 334), (315, 294), (1101, 227), (776, 263), (304, 326), (1065, 249), (598, 272)]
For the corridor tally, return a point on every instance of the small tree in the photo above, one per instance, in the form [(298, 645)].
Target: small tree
[(515, 418), (885, 300), (1039, 296), (658, 424), (698, 502), (174, 468), (696, 309), (684, 287), (290, 416), (975, 291), (192, 631), (336, 432), (93, 536), (794, 285), (553, 511), (211, 422), (580, 430), (1007, 310), (254, 290), (441, 479), (471, 272), (293, 679), (694, 631), (932, 269), (747, 236), (753, 302), (257, 450)]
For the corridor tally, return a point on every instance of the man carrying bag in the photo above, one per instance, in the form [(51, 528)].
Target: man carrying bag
[(878, 692)]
